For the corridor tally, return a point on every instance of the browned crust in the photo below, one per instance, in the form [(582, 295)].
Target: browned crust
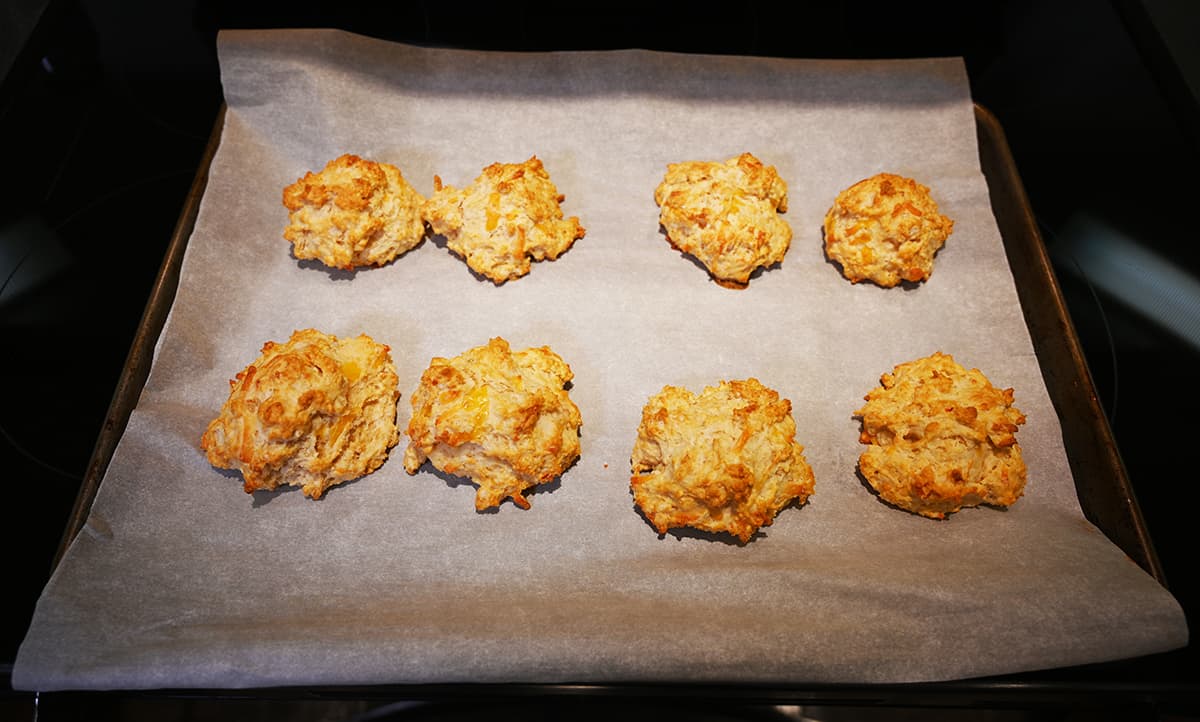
[(885, 229), (312, 412), (503, 419), (508, 217), (723, 461), (941, 438), (726, 215)]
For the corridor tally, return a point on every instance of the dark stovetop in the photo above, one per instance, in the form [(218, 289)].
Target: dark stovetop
[(106, 107)]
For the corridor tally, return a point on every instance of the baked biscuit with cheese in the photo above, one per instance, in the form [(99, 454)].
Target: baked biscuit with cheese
[(353, 213), (500, 418), (724, 461), (312, 412), (726, 215), (509, 215), (941, 438), (885, 229)]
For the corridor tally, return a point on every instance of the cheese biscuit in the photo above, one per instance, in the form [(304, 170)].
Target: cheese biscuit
[(509, 215), (312, 412), (353, 213), (885, 229), (724, 461), (502, 419), (726, 215), (941, 438)]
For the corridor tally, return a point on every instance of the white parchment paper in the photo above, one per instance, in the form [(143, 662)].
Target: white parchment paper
[(181, 580)]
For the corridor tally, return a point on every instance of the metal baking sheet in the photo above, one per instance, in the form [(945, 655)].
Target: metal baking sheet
[(1016, 605)]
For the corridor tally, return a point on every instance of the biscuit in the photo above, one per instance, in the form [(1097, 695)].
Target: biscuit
[(726, 215), (724, 461), (941, 438), (353, 213), (312, 412), (510, 214), (502, 419), (885, 229)]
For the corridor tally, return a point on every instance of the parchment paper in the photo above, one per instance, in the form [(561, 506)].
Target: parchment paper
[(182, 580)]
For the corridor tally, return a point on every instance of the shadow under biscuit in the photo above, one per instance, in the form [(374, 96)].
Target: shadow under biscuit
[(712, 537), (723, 283), (686, 532), (454, 481), (903, 284), (335, 274), (548, 487), (862, 479), (229, 473), (440, 241), (262, 497), (551, 486), (345, 274), (875, 493)]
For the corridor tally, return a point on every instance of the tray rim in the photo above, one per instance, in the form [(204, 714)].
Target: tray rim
[(1102, 483), (136, 369)]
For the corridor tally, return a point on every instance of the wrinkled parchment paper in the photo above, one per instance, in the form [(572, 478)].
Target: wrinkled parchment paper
[(182, 580)]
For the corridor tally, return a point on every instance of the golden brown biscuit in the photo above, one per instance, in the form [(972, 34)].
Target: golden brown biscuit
[(353, 213), (312, 412), (726, 460), (726, 215), (885, 229), (511, 213), (502, 419), (941, 438)]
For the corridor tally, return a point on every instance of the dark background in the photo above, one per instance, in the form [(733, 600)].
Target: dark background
[(105, 109)]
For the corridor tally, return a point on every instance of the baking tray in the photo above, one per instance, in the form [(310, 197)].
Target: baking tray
[(1103, 487), (1105, 493)]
